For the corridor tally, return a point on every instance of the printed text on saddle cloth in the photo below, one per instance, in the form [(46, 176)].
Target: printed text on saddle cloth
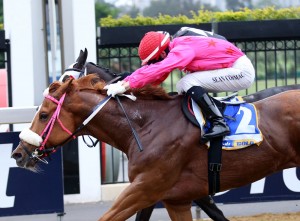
[(243, 122)]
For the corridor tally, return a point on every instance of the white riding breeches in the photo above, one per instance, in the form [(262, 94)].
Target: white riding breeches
[(238, 77)]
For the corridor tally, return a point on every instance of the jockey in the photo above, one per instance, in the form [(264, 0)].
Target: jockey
[(210, 64)]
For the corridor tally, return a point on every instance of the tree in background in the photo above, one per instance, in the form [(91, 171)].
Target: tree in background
[(1, 11), (236, 5), (103, 9), (174, 8), (133, 11), (267, 3)]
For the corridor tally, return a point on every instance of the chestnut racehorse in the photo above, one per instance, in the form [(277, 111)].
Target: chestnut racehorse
[(81, 66), (205, 203), (173, 165)]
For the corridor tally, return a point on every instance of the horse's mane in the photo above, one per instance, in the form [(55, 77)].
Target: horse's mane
[(148, 92), (95, 83), (151, 92), (90, 82)]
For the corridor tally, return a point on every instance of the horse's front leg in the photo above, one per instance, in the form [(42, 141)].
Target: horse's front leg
[(131, 200), (179, 211)]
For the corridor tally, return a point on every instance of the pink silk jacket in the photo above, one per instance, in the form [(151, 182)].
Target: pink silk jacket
[(189, 54)]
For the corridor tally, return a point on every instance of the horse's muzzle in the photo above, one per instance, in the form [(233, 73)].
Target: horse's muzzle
[(20, 159), (17, 157)]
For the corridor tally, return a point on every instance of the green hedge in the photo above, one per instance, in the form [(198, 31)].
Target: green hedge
[(204, 16)]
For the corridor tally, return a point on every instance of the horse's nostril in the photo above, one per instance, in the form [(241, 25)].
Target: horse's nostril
[(17, 156)]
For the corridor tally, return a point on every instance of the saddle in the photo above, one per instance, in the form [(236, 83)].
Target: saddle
[(221, 103), (240, 116), (243, 133)]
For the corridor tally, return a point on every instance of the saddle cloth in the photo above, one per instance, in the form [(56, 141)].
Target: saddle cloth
[(243, 123)]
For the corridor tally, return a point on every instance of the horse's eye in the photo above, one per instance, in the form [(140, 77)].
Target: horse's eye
[(43, 116)]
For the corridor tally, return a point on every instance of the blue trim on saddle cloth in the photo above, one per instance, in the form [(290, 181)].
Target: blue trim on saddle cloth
[(243, 123)]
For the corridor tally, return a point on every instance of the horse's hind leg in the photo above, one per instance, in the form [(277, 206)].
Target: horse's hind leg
[(179, 211), (145, 214), (208, 205), (131, 200)]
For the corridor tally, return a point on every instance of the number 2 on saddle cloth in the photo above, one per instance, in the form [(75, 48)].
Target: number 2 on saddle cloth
[(241, 118)]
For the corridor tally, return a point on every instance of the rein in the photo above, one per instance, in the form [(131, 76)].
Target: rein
[(131, 127), (78, 73), (42, 151), (93, 113)]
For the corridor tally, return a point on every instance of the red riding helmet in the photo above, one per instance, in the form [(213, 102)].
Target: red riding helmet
[(152, 44)]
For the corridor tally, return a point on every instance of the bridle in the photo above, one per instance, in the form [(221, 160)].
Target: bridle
[(48, 129), (74, 73), (40, 152), (83, 72)]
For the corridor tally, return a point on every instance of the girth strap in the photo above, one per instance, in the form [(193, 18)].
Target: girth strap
[(214, 164)]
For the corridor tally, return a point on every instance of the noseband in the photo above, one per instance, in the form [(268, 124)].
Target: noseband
[(39, 153)]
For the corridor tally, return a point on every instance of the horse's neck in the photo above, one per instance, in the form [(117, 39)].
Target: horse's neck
[(112, 127)]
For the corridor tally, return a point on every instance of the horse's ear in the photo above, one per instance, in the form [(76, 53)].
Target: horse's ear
[(59, 88), (85, 53), (69, 85), (54, 86), (79, 56), (81, 59)]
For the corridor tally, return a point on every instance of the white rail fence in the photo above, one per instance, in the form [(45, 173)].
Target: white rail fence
[(17, 115)]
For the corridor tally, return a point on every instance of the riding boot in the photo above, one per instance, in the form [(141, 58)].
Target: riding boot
[(211, 113)]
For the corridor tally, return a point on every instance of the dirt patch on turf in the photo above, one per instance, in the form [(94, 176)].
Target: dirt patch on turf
[(269, 217)]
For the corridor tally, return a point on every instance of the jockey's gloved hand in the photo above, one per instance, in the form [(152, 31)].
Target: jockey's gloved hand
[(115, 88)]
